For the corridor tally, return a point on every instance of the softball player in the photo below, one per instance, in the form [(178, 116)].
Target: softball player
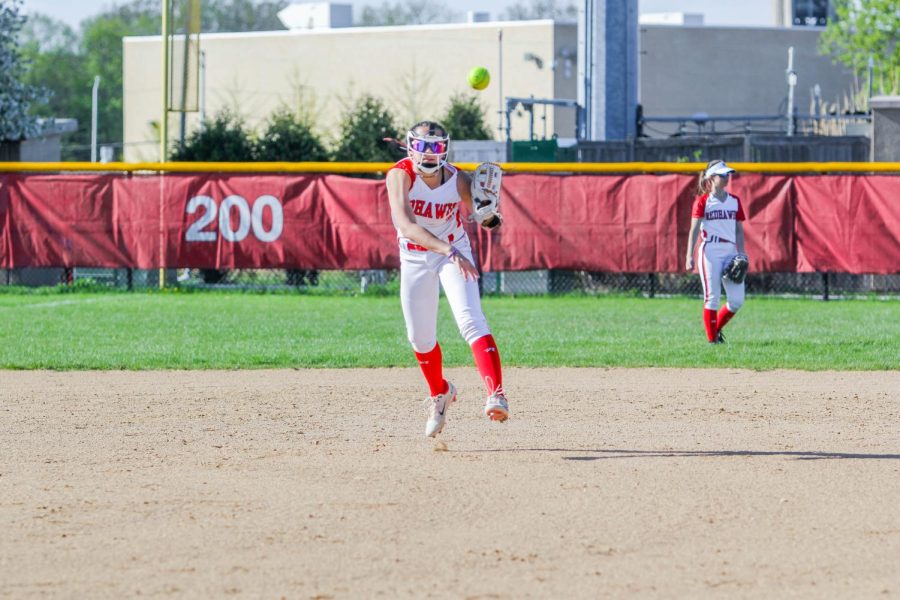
[(717, 218), (425, 192)]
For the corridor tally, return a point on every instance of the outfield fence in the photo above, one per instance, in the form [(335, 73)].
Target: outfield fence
[(811, 219), (385, 281)]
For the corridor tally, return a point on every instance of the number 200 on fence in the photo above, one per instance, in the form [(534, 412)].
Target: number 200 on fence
[(248, 219)]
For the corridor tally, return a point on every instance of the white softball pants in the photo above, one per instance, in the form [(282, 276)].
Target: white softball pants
[(713, 258), (421, 275)]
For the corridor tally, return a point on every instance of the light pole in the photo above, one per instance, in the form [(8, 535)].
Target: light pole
[(500, 107), (870, 72), (792, 82), (202, 87), (164, 122), (163, 130), (94, 118)]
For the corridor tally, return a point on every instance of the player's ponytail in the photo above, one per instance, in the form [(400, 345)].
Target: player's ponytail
[(703, 181), (702, 184)]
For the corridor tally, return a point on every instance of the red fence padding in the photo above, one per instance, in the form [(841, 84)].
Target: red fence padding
[(621, 223)]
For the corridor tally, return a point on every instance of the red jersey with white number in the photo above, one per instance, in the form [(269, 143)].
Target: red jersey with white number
[(437, 210), (719, 217)]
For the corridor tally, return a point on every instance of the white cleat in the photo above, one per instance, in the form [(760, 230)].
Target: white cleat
[(437, 410), (496, 407)]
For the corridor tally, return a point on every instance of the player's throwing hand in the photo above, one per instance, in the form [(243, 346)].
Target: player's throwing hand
[(467, 269)]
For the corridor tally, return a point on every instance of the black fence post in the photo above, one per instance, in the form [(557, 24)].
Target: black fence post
[(825, 286), (651, 280), (129, 278)]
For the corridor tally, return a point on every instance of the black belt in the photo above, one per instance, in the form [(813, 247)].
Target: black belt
[(717, 240)]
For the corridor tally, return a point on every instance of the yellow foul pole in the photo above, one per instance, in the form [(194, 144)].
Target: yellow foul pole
[(164, 127)]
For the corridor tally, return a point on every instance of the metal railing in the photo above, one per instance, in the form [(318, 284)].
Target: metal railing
[(508, 167), (801, 124)]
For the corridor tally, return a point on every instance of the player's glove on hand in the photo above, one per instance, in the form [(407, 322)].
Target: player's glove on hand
[(486, 195), (736, 269)]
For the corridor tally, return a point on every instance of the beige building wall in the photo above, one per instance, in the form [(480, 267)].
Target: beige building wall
[(414, 70), (683, 70)]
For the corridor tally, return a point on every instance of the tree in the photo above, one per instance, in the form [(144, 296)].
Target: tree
[(102, 42), (52, 50), (863, 29), (241, 15), (289, 138), (44, 34), (101, 47), (66, 62), (540, 9), (412, 12), (363, 129), (465, 119), (16, 96), (224, 139)]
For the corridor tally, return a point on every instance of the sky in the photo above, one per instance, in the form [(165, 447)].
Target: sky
[(720, 12)]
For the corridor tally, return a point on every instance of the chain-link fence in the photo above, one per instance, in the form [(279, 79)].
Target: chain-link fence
[(520, 283)]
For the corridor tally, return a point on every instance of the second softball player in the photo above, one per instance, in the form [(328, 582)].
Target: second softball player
[(717, 219)]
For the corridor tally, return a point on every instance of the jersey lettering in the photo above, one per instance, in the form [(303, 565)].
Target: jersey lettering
[(714, 215), (432, 210), (718, 217)]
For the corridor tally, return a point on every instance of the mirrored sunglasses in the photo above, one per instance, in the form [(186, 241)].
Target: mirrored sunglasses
[(433, 146)]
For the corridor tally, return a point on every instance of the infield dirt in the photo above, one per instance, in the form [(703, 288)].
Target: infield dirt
[(320, 484)]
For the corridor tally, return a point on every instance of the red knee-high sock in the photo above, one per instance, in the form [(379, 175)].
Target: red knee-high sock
[(487, 359), (723, 317), (709, 321), (432, 366)]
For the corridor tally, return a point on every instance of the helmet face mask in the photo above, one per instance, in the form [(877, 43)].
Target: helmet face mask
[(428, 152)]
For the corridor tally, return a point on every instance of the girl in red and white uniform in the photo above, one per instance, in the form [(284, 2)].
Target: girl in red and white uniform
[(717, 218), (425, 193)]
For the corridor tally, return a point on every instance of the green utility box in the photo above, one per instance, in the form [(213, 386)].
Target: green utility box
[(542, 151), (534, 151)]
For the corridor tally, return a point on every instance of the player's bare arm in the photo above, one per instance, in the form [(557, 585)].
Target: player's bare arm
[(739, 237), (398, 183), (692, 242)]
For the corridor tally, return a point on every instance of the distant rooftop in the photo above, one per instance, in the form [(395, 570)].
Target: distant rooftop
[(671, 18), (316, 15), (56, 126)]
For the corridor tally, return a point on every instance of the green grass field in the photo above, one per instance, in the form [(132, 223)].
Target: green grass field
[(241, 330)]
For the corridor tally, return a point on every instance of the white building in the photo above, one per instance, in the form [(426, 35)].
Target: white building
[(684, 69)]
